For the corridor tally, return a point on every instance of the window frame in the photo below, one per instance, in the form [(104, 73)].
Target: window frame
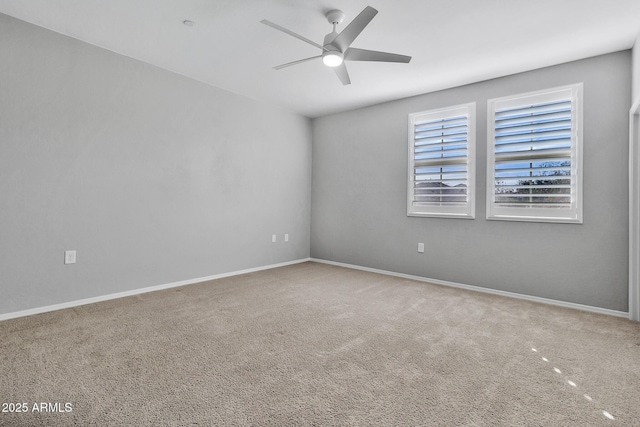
[(467, 211), (574, 214)]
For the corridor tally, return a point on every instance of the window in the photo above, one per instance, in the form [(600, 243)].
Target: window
[(441, 162), (534, 156)]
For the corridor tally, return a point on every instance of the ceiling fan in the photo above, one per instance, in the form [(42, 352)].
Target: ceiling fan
[(336, 47)]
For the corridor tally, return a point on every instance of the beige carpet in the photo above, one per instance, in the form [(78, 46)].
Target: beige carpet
[(313, 344)]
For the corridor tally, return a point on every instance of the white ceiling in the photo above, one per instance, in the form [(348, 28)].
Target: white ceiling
[(453, 42)]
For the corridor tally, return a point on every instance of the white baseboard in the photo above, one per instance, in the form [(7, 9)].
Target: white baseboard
[(575, 306), (76, 303)]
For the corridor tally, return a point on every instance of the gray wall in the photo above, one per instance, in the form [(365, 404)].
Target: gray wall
[(636, 70), (152, 177), (359, 196)]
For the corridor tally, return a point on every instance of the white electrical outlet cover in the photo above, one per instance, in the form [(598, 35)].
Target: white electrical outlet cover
[(69, 257)]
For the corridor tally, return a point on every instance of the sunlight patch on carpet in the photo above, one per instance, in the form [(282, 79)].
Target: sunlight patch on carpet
[(573, 384)]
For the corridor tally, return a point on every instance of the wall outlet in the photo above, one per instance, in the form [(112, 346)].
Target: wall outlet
[(421, 247), (286, 237), (273, 238), (69, 257)]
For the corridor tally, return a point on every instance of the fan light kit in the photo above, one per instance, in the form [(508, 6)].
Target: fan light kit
[(332, 58), (336, 47)]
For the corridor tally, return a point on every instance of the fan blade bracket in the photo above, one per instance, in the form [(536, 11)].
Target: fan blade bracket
[(328, 42)]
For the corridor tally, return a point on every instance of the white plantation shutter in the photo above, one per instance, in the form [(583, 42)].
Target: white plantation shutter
[(534, 156), (441, 162)]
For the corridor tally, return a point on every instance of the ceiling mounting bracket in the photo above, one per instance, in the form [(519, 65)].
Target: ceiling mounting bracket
[(335, 16)]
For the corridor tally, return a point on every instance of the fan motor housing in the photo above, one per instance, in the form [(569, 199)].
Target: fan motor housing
[(328, 39)]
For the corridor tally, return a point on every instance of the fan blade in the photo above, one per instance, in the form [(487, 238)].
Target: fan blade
[(343, 75), (291, 33), (300, 61), (354, 54), (355, 27)]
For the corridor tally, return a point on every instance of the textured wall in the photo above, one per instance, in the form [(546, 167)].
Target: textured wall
[(150, 176), (359, 196), (636, 70)]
